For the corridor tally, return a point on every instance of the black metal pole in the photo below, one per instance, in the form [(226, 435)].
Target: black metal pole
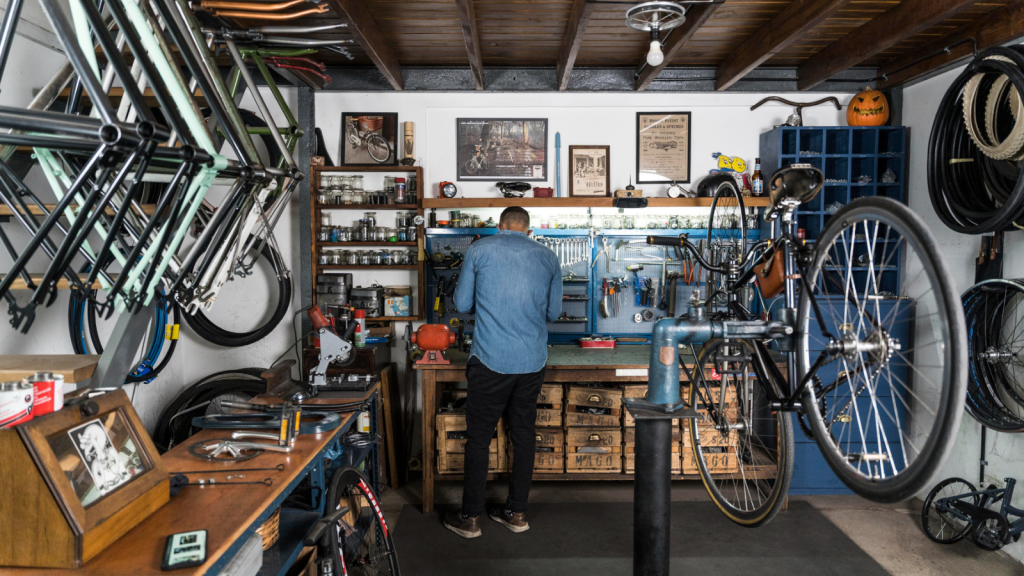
[(652, 497), (10, 21)]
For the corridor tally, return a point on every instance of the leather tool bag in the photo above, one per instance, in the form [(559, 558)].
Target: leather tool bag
[(771, 275)]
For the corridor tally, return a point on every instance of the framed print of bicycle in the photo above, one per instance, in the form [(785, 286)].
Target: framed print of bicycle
[(662, 147), (368, 139), (502, 149)]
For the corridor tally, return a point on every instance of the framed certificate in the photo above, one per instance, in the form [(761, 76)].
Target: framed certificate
[(662, 147)]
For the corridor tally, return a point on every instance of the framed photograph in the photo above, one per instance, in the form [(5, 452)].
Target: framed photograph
[(662, 147), (369, 139), (502, 149), (590, 174)]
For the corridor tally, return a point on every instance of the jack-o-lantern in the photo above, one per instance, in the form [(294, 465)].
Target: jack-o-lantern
[(868, 108)]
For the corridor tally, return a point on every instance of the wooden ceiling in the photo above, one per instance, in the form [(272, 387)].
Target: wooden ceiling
[(818, 37)]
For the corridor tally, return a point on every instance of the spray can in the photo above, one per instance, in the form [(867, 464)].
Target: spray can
[(360, 328)]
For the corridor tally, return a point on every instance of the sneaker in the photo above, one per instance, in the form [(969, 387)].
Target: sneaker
[(514, 521), (465, 526)]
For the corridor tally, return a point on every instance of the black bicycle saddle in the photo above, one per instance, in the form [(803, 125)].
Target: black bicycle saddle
[(792, 185)]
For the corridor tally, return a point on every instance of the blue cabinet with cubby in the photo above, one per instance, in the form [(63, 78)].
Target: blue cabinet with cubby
[(845, 155)]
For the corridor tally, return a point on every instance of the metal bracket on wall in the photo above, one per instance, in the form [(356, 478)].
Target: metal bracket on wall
[(119, 356)]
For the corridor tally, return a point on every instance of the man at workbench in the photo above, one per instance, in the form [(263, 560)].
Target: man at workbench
[(515, 284)]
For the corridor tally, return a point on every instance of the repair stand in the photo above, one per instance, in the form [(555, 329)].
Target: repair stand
[(652, 488), (119, 357)]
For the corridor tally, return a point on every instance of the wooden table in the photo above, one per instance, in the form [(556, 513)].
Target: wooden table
[(229, 514), (622, 364)]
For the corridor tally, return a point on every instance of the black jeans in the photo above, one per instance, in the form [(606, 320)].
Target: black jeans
[(490, 395)]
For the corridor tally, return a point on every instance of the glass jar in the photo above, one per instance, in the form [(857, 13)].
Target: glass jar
[(389, 183), (335, 257), (364, 232), (401, 235), (324, 235), (401, 219), (323, 196), (390, 234), (673, 222), (325, 257), (352, 258), (345, 182), (399, 257), (385, 257), (410, 234), (628, 222), (411, 256), (371, 218), (374, 257), (357, 182), (365, 259)]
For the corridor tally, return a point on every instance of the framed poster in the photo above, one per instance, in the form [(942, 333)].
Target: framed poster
[(368, 139), (662, 147), (502, 149), (590, 173)]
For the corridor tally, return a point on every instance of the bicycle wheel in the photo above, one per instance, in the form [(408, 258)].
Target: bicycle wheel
[(352, 135), (745, 458), (378, 148), (726, 241), (363, 543), (941, 526), (887, 392)]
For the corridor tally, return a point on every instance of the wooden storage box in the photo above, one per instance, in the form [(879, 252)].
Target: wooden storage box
[(549, 405), (720, 460), (640, 391), (451, 444), (709, 436), (74, 481), (677, 463), (550, 454), (586, 406), (593, 450)]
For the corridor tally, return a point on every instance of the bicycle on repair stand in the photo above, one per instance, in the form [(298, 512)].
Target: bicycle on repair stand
[(870, 357)]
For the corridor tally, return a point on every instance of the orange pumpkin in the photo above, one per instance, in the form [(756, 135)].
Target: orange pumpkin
[(868, 108)]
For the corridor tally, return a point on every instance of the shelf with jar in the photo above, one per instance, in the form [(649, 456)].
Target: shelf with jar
[(368, 218)]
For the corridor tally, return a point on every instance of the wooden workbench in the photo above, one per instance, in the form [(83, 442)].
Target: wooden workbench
[(566, 363), (229, 514)]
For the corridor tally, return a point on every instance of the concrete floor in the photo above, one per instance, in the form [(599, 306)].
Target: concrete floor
[(891, 534)]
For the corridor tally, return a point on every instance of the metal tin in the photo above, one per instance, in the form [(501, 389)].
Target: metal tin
[(16, 402), (48, 393), (410, 234)]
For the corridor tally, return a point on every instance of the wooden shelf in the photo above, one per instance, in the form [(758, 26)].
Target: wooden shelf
[(604, 202), (73, 367), (383, 243), (368, 206), (62, 283), (370, 267), (365, 168), (33, 209), (116, 94), (394, 319)]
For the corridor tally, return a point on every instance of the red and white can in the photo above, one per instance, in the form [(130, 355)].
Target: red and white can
[(16, 399), (49, 393)]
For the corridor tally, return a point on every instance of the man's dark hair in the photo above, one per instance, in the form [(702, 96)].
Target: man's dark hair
[(515, 217)]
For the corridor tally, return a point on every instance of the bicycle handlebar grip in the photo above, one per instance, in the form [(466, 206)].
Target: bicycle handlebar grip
[(666, 240)]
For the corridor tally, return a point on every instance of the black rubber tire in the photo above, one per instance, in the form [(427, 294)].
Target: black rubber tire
[(928, 503), (207, 330), (167, 432), (919, 474), (348, 487), (779, 489)]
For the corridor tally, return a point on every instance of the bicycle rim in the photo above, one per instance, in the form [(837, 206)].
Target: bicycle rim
[(746, 460), (886, 402), (940, 526), (378, 148), (363, 539)]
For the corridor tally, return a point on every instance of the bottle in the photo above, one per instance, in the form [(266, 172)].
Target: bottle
[(360, 328), (758, 179), (400, 196), (433, 218)]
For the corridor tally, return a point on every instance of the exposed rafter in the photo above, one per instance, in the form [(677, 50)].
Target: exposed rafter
[(370, 38), (469, 33), (993, 29), (796, 20), (696, 16), (579, 17), (882, 32)]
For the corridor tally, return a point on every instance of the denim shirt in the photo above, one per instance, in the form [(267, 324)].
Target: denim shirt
[(516, 285)]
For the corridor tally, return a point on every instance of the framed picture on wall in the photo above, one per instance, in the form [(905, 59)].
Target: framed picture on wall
[(502, 149), (590, 171), (662, 147), (369, 138)]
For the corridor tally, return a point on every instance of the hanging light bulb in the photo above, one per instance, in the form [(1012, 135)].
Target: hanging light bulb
[(655, 56)]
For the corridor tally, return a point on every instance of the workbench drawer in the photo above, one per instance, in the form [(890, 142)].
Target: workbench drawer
[(589, 406), (593, 440), (720, 460), (640, 391), (551, 438), (585, 463)]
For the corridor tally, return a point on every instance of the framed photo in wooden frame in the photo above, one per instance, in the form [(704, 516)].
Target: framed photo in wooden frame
[(495, 149), (662, 147), (369, 139), (590, 174)]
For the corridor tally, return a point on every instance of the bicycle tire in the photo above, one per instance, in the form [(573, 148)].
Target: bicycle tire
[(869, 478), (926, 517), (350, 488), (169, 430), (377, 142), (209, 331), (740, 443)]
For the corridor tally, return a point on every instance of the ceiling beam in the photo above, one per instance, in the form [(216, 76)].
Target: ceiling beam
[(795, 21), (370, 38), (579, 17), (908, 18), (993, 29), (467, 14), (696, 16)]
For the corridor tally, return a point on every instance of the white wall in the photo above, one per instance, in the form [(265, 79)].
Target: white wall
[(1005, 452)]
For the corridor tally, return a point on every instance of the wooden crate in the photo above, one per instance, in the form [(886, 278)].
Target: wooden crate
[(630, 462), (593, 450), (709, 436), (720, 460), (640, 391), (629, 439), (551, 394), (587, 406), (549, 405), (550, 454), (451, 444), (549, 416)]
